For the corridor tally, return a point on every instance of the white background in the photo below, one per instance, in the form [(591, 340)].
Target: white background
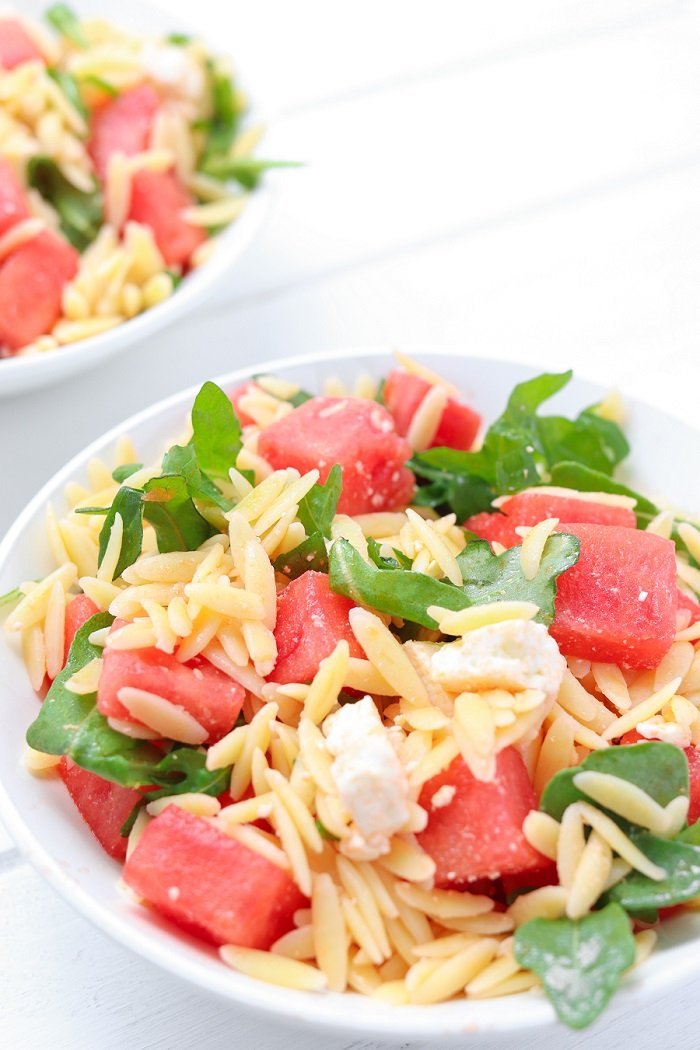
[(519, 179)]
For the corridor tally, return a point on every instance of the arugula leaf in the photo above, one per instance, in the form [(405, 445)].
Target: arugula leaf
[(184, 769), (10, 598), (126, 503), (91, 510), (179, 39), (70, 88), (659, 769), (182, 460), (680, 859), (300, 398), (102, 85), (324, 832), (318, 507), (492, 578), (222, 126), (247, 171), (311, 553), (580, 962), (216, 431), (690, 834), (487, 578), (67, 23), (80, 213), (399, 561), (168, 507), (120, 474), (520, 449)]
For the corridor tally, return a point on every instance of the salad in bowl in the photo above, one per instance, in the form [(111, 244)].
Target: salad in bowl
[(376, 699)]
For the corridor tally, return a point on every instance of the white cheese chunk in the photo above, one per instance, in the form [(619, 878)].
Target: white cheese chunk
[(514, 655), (370, 779)]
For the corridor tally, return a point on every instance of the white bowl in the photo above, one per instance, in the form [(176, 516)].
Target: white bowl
[(49, 831), (38, 370)]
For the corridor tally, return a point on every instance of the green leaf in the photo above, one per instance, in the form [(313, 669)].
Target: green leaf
[(184, 769), (580, 962), (318, 507), (168, 507), (80, 213), (399, 561), (681, 861), (67, 23), (182, 460), (71, 89), (179, 39), (216, 431), (657, 768), (126, 503), (222, 125), (247, 171), (398, 593), (300, 398), (120, 474), (101, 85), (690, 834), (311, 553), (324, 832), (10, 598), (91, 510), (496, 578)]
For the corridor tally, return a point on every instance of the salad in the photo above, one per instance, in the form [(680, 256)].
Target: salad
[(121, 158), (372, 699)]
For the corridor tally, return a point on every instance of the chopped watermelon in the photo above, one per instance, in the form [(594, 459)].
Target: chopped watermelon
[(122, 125), (13, 203), (78, 611), (403, 393), (32, 278), (618, 603), (693, 756), (356, 433), (686, 602), (210, 696), (532, 506), (16, 45), (104, 806), (494, 527), (210, 884), (157, 199), (478, 834), (311, 620), (235, 398)]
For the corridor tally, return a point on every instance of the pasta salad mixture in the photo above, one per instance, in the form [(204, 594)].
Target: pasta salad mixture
[(374, 701), (121, 158)]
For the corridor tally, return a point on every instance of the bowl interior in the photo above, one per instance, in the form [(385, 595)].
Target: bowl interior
[(23, 373), (48, 829)]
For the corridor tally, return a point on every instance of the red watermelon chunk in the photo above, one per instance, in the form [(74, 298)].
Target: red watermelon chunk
[(311, 620), (403, 393), (78, 611), (157, 200), (686, 602), (356, 433), (478, 834), (16, 45), (693, 756), (206, 693), (104, 806), (532, 506), (13, 203), (122, 125), (32, 278), (235, 398), (494, 527), (618, 603), (210, 884)]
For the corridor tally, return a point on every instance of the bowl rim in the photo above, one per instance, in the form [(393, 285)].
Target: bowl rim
[(282, 1006)]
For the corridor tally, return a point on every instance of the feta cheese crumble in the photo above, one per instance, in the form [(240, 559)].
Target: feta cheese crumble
[(370, 779), (514, 655)]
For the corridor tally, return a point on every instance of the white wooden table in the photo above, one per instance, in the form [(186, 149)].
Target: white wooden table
[(519, 179)]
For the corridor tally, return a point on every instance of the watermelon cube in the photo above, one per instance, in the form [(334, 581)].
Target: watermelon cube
[(356, 433), (311, 620), (13, 203), (618, 603), (478, 833), (403, 393), (78, 611), (494, 527), (122, 125), (693, 756), (235, 398), (206, 693), (210, 884), (157, 200), (686, 602), (32, 279), (104, 806), (531, 506), (16, 45)]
